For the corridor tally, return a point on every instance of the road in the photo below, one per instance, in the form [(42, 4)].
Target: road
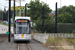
[(5, 45), (33, 45), (4, 29)]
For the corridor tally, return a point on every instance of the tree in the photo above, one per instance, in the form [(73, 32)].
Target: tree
[(36, 9), (66, 14), (36, 14), (5, 15), (49, 26), (65, 18)]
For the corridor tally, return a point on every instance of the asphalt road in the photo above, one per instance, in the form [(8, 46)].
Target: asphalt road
[(5, 45), (4, 29), (33, 45)]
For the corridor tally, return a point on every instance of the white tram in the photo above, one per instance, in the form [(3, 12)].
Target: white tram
[(22, 29)]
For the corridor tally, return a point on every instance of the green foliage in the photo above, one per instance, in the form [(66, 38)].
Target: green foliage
[(65, 18), (59, 42), (72, 41), (36, 14), (66, 14), (65, 27), (3, 23), (48, 25), (36, 9), (4, 15), (73, 31)]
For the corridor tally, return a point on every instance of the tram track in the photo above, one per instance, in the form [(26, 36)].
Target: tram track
[(21, 47), (28, 46), (2, 40)]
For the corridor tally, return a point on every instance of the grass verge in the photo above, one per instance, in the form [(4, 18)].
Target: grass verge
[(3, 23), (60, 43)]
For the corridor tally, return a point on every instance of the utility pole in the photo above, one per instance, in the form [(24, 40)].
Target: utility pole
[(14, 16), (56, 19), (9, 20)]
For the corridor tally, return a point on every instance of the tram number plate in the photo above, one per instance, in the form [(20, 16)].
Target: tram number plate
[(22, 35)]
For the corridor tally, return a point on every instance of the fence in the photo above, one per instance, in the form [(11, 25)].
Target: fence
[(62, 35), (65, 27)]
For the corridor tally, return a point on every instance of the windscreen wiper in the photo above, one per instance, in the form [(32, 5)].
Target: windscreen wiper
[(25, 30)]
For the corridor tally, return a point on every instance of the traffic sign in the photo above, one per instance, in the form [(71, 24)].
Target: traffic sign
[(23, 7), (7, 32)]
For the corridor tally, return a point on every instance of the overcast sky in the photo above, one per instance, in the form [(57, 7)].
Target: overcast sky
[(51, 3)]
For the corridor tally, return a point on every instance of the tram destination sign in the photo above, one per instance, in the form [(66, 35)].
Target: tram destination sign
[(16, 0), (21, 21)]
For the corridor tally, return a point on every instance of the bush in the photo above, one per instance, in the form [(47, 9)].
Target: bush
[(3, 23), (73, 31), (49, 27), (59, 42)]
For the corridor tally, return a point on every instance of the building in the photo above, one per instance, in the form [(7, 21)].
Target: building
[(52, 13)]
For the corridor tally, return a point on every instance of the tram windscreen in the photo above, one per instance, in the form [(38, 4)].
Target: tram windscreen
[(22, 28)]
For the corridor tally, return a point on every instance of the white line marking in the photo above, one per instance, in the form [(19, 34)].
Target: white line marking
[(29, 47)]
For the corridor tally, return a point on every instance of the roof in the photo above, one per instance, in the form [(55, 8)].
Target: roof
[(22, 17)]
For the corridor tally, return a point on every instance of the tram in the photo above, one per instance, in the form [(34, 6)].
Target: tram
[(22, 29)]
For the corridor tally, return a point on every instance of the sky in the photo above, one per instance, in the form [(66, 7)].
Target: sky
[(51, 3)]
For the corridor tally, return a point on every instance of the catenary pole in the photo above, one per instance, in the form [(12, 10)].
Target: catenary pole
[(14, 10), (25, 9), (14, 16), (9, 20), (56, 19), (43, 21)]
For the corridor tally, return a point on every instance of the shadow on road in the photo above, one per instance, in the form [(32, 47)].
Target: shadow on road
[(20, 42)]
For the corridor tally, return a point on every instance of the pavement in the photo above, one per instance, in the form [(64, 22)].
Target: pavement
[(5, 45)]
